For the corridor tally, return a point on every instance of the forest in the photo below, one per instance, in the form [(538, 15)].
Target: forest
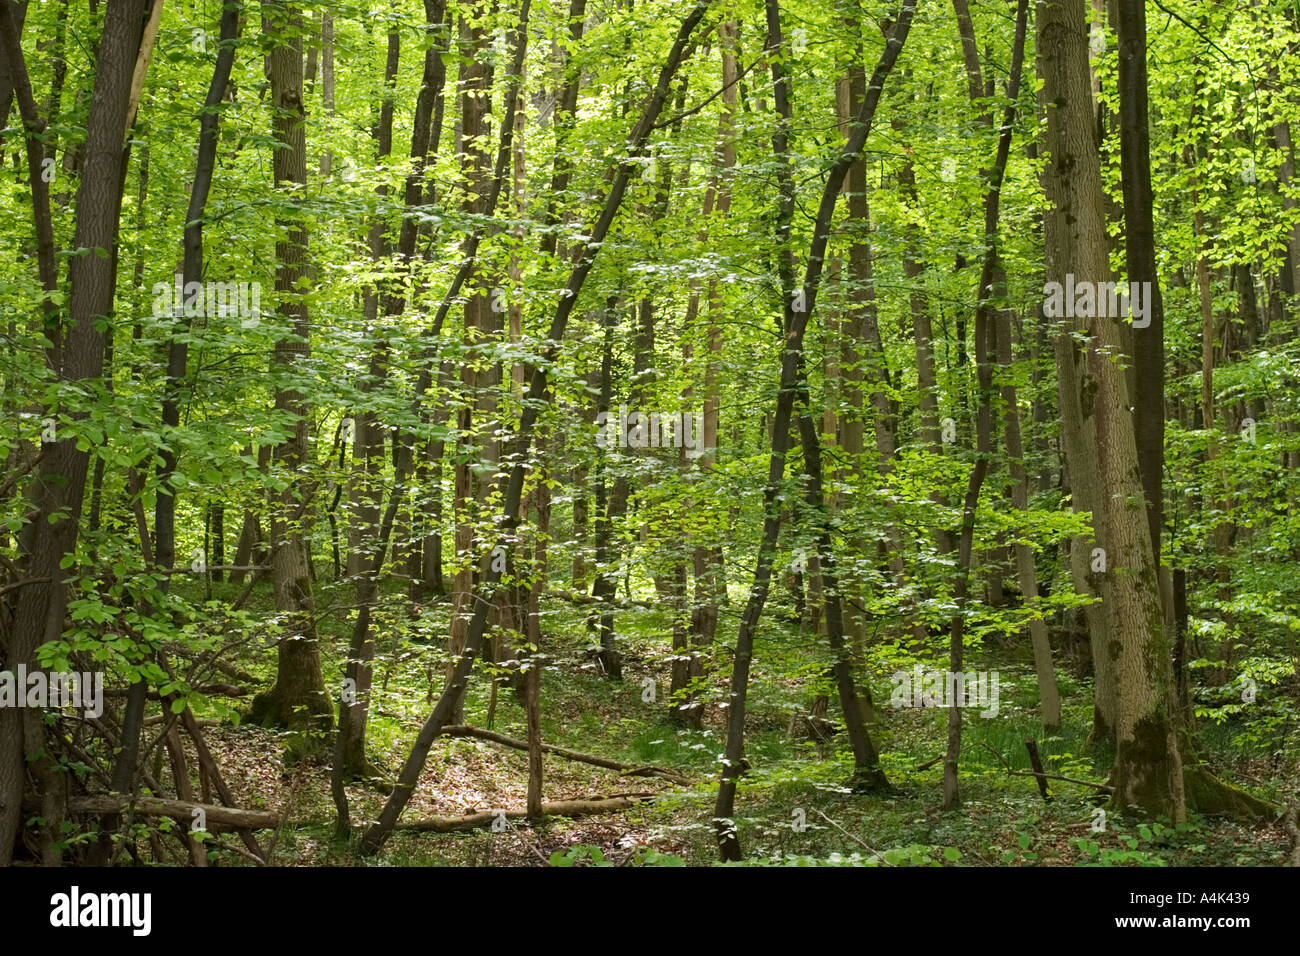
[(649, 433)]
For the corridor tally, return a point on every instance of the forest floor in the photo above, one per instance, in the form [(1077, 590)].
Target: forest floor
[(792, 807)]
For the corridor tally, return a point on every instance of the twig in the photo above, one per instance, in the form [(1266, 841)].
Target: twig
[(13, 479), (627, 770), (239, 851), (529, 843), (851, 836), (1056, 776), (1048, 776), (707, 100), (1001, 759)]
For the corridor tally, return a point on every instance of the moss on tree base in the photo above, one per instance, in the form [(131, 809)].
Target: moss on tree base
[(1209, 795), (309, 720), (870, 781)]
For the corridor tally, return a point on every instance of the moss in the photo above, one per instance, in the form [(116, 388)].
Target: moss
[(1142, 769), (309, 720), (870, 780), (1209, 795)]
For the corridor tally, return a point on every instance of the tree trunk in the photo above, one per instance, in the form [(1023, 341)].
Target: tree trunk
[(379, 833), (1140, 261), (62, 478), (794, 323), (298, 699), (1026, 572), (1148, 771), (985, 346)]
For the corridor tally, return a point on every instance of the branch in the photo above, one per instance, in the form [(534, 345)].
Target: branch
[(707, 100), (13, 479), (218, 817), (561, 808), (627, 770)]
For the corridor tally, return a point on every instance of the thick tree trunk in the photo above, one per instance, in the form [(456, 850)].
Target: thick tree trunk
[(62, 478), (1088, 558), (1148, 772)]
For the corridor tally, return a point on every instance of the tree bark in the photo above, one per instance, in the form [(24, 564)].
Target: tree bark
[(298, 699), (1140, 260), (61, 481), (1148, 772)]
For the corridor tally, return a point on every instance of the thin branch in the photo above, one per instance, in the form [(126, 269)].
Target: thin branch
[(706, 101)]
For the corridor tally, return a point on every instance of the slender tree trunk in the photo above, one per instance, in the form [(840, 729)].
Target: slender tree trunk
[(793, 326), (566, 107), (985, 346), (379, 833), (18, 15), (475, 85), (532, 691), (1140, 260), (298, 699), (606, 513), (350, 745)]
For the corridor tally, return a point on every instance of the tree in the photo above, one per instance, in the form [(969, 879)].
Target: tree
[(298, 700), (61, 480)]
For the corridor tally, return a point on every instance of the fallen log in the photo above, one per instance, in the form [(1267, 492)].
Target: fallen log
[(218, 818), (627, 770), (560, 808)]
